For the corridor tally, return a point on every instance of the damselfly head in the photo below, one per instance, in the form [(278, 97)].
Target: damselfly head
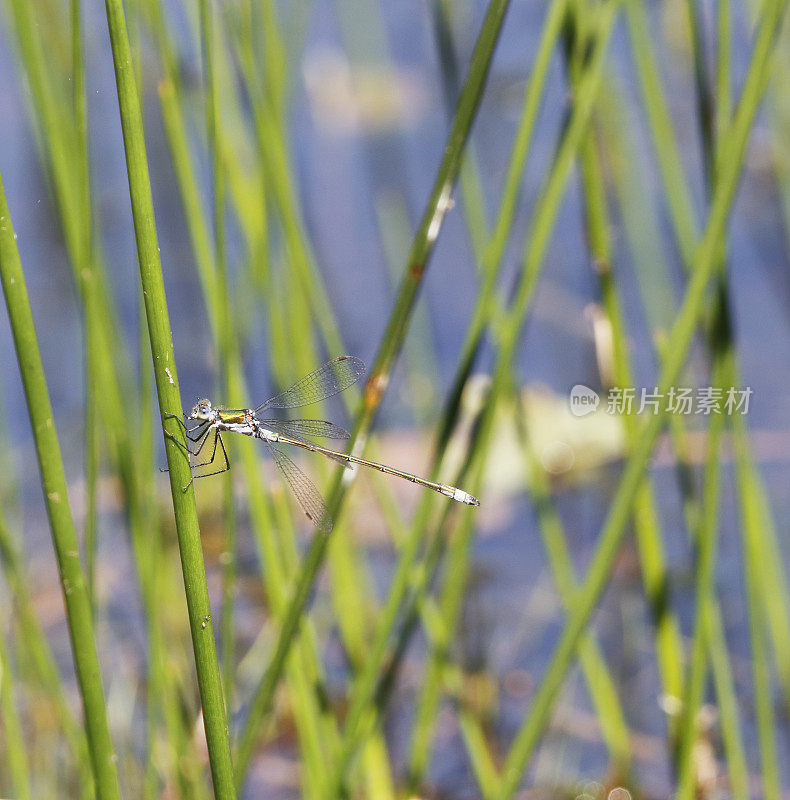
[(201, 410)]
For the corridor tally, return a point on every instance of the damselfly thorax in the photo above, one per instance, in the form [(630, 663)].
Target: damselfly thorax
[(330, 379)]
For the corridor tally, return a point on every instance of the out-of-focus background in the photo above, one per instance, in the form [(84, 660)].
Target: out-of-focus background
[(332, 119)]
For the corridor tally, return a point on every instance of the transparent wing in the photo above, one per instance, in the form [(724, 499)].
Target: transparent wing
[(331, 379), (308, 496), (307, 427)]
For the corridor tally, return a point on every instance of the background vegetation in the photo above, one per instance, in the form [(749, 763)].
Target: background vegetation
[(490, 205)]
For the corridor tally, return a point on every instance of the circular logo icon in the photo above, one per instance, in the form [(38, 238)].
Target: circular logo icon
[(583, 400)]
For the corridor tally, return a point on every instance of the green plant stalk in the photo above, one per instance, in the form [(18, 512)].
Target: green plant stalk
[(652, 561), (602, 688), (713, 124), (780, 115), (773, 581), (318, 735), (775, 596), (83, 193), (274, 155), (469, 178), (53, 479), (484, 309), (772, 584), (305, 673), (714, 634), (729, 162), (91, 479), (365, 682), (66, 160), (704, 590), (346, 578), (479, 755), (13, 738), (645, 515), (753, 565), (723, 99), (66, 149), (165, 376), (650, 255), (450, 605), (486, 305), (601, 684), (225, 329), (40, 654), (679, 201), (135, 463), (91, 406), (703, 96), (545, 212), (728, 702), (471, 193), (353, 603), (417, 262)]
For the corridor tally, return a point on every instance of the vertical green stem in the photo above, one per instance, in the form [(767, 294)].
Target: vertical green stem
[(165, 376), (53, 479), (13, 738), (417, 262), (210, 29)]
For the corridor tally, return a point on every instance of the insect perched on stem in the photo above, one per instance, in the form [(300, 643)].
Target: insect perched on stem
[(328, 380)]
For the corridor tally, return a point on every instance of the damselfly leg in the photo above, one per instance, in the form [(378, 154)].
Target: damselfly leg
[(201, 434)]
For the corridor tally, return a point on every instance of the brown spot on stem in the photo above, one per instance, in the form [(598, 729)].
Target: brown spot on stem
[(416, 270), (602, 266), (374, 389)]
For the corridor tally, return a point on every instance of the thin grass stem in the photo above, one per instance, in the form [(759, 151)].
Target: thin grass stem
[(53, 480)]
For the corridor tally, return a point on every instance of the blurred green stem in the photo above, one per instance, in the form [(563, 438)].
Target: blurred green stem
[(417, 263), (53, 479), (729, 161), (13, 738)]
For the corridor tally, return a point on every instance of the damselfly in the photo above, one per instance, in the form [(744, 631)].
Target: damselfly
[(328, 380)]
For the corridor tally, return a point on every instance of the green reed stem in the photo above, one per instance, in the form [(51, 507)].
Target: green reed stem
[(42, 660), (639, 230), (211, 39), (751, 517), (305, 671), (538, 238), (53, 479), (165, 376), (705, 543), (13, 737), (705, 260), (417, 262)]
